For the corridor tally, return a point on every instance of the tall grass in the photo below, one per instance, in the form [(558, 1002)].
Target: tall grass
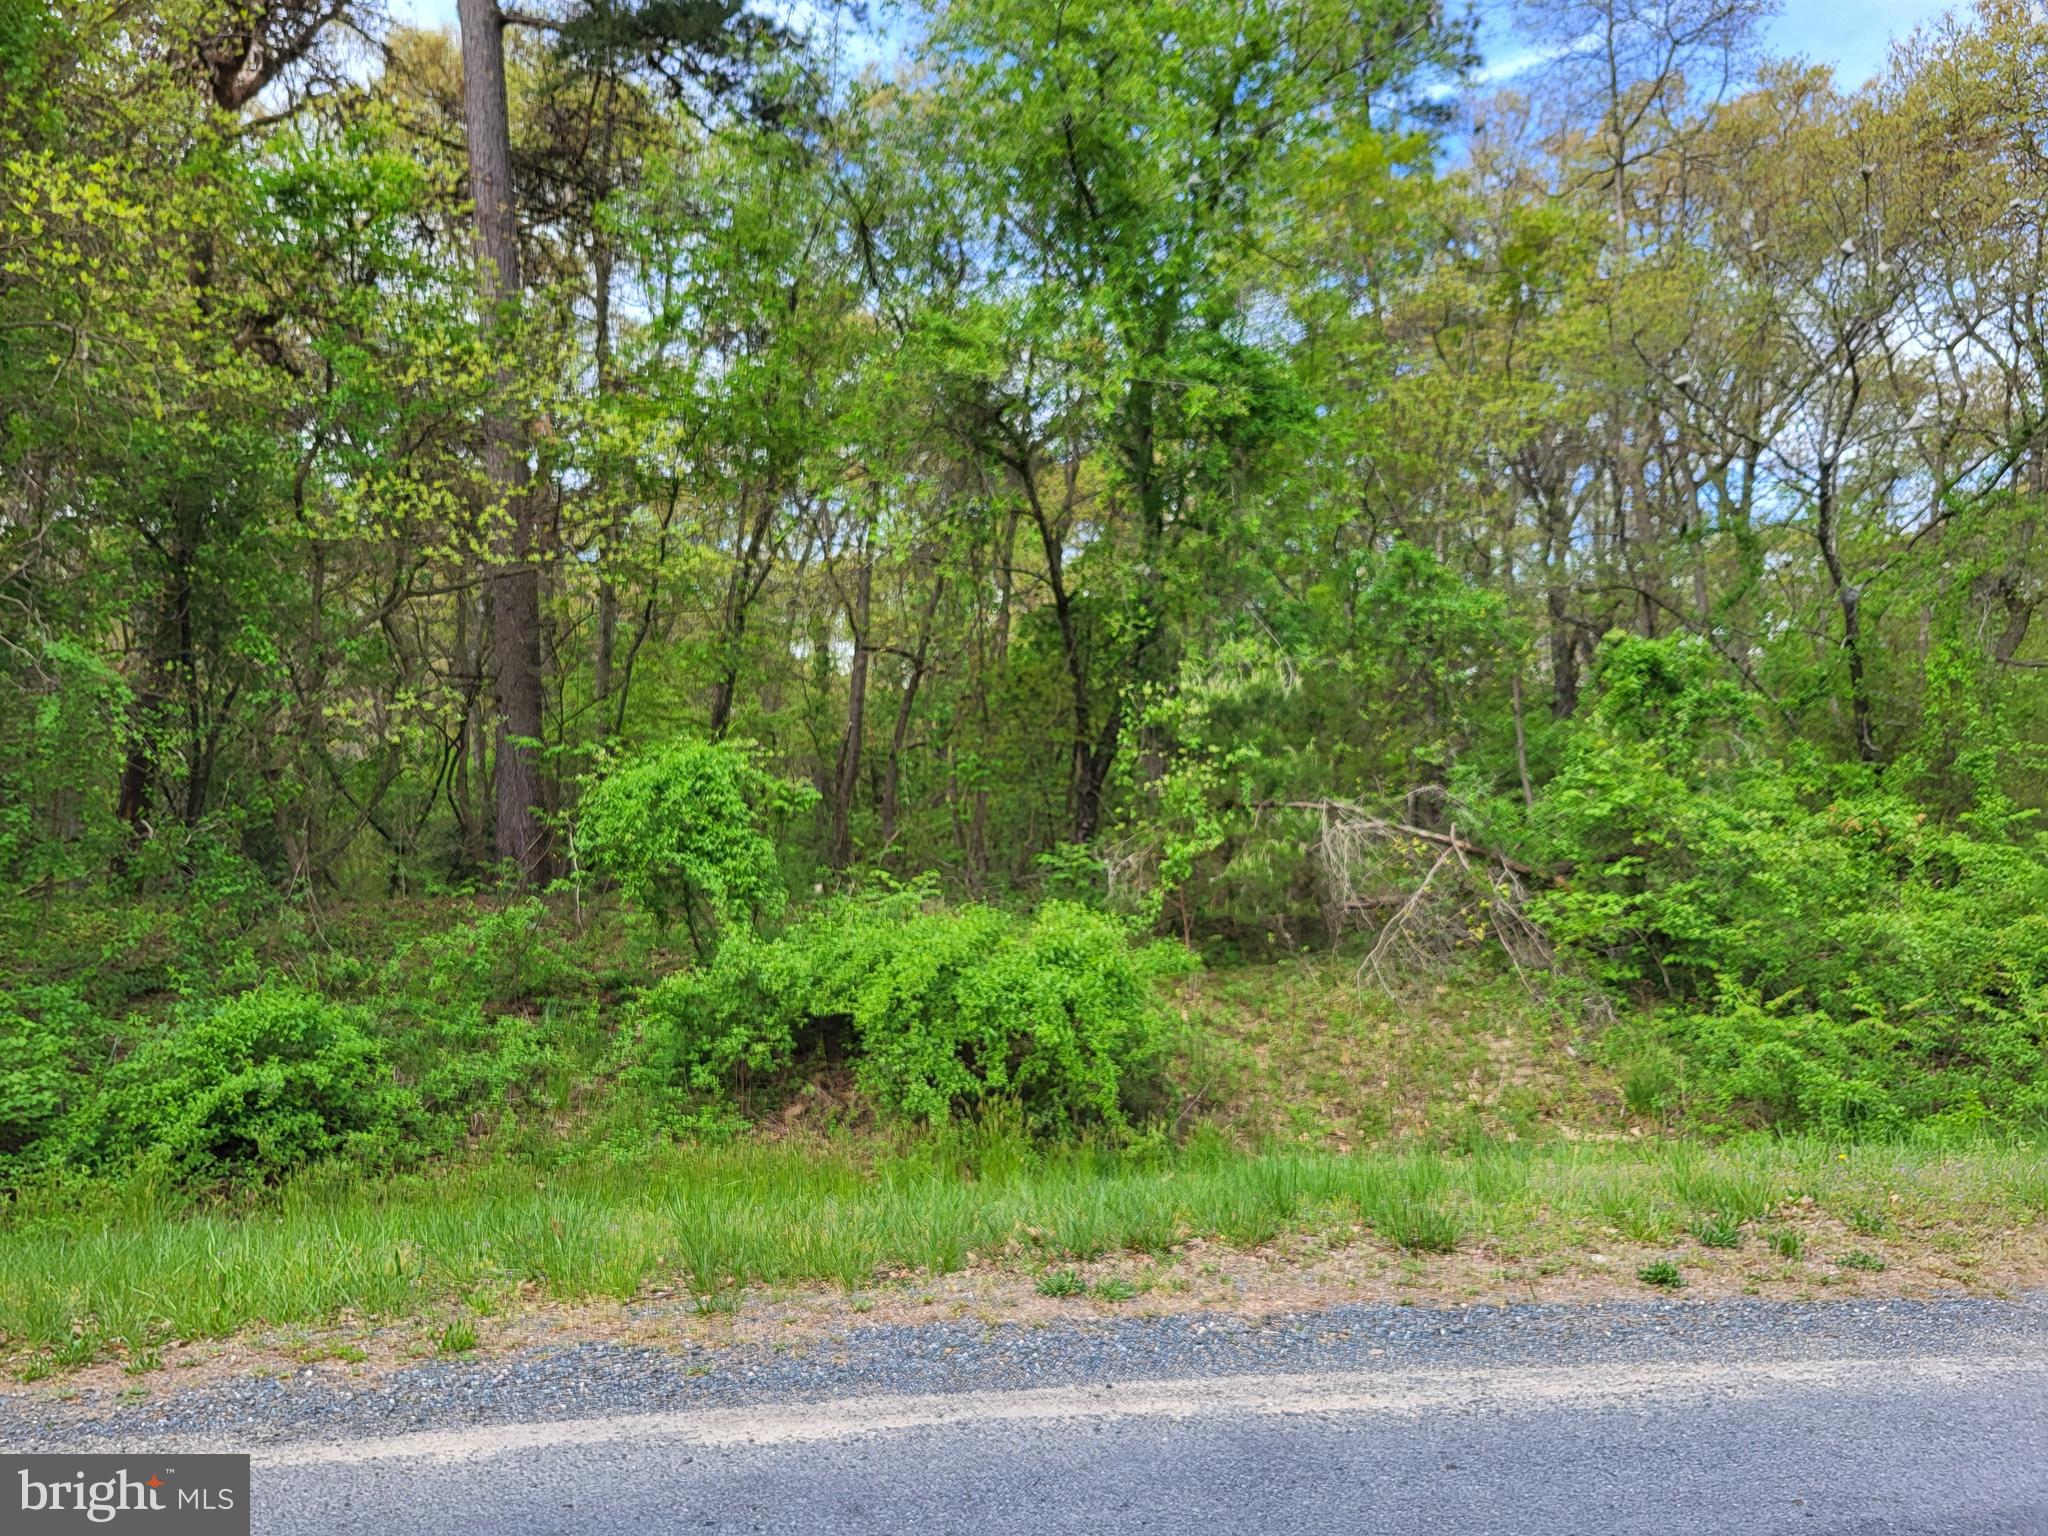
[(83, 1270)]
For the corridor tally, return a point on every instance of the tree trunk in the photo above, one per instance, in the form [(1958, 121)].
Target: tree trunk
[(1557, 607), (165, 639), (749, 573), (470, 658), (846, 778), (991, 659), (1849, 598), (520, 832), (615, 533), (893, 775), (1085, 793)]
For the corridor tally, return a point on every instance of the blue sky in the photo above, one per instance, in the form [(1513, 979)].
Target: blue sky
[(1852, 35)]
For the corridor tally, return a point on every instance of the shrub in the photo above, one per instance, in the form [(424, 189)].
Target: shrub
[(457, 1008), (499, 957), (946, 1010), (248, 1089), (1834, 957), (42, 1031), (682, 831), (706, 1030)]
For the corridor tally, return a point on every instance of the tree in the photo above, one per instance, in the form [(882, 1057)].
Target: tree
[(1131, 201), (513, 582)]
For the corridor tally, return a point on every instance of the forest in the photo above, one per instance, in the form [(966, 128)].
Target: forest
[(631, 576)]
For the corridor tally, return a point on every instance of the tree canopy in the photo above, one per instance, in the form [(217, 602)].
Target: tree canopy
[(1072, 440)]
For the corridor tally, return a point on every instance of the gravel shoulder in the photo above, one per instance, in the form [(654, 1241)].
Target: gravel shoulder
[(579, 1379)]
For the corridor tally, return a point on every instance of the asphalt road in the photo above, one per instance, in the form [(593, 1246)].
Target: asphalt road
[(1854, 1449), (1899, 1417)]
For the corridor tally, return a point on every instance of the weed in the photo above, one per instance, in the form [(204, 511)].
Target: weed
[(1649, 1082), (1787, 1244), (1114, 1289), (1061, 1282), (346, 1354), (1422, 1229), (722, 1302), (1716, 1231), (1739, 1191), (457, 1338), (1663, 1274), (1404, 1201), (1858, 1258), (1634, 1213)]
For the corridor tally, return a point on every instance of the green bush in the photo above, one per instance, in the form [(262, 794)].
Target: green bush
[(465, 1010), (43, 1034), (505, 956), (682, 829), (247, 1089), (1770, 1062), (1833, 956), (946, 1011), (707, 1031)]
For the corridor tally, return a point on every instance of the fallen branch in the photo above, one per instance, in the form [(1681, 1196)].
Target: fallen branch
[(1430, 895), (1360, 816)]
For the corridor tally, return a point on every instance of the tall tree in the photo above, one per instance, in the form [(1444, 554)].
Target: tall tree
[(520, 832)]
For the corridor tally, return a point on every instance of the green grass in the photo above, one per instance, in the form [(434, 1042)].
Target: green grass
[(1713, 1230), (108, 1265)]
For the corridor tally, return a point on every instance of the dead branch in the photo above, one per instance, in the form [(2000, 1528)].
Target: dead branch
[(1357, 815), (1433, 895)]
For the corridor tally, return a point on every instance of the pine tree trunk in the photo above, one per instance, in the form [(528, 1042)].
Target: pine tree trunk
[(520, 834)]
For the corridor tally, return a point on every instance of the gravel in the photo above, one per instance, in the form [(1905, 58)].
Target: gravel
[(586, 1379)]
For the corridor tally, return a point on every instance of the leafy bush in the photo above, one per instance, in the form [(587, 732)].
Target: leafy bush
[(1834, 957), (67, 702), (457, 1007), (946, 1010), (248, 1089), (42, 1032), (682, 831), (1757, 1061), (504, 956)]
